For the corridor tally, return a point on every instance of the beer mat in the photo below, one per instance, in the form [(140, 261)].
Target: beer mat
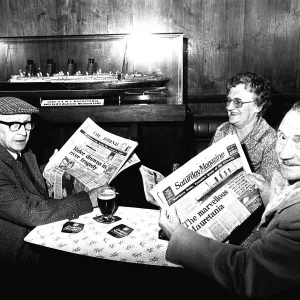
[(72, 227), (120, 231), (101, 219), (162, 235)]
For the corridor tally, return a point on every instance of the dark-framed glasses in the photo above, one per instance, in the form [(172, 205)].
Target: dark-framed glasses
[(15, 126), (238, 103)]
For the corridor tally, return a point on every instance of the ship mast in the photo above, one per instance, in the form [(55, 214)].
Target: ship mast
[(125, 62)]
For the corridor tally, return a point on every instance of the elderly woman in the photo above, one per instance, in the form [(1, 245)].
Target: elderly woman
[(247, 100)]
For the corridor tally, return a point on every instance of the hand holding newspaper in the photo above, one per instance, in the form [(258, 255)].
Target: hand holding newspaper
[(211, 192), (92, 157)]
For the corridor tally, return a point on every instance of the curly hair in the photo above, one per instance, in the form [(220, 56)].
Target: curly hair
[(256, 84)]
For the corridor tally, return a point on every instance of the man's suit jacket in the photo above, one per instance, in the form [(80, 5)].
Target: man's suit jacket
[(25, 204), (269, 266)]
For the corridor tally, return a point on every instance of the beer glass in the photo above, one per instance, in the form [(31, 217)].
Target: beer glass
[(106, 197)]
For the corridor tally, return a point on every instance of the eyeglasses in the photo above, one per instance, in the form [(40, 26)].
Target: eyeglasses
[(238, 103), (15, 126)]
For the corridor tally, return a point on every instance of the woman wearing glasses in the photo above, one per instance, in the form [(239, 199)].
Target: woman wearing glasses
[(248, 98)]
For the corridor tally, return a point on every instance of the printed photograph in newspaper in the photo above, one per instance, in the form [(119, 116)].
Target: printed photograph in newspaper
[(91, 157), (211, 192)]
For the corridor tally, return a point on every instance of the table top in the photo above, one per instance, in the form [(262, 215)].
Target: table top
[(141, 246)]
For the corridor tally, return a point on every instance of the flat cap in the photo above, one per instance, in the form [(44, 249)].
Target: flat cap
[(14, 106)]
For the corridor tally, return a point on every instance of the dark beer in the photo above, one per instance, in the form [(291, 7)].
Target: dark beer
[(107, 206), (106, 198)]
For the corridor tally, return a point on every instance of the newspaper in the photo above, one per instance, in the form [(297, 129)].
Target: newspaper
[(150, 179), (211, 192), (92, 157)]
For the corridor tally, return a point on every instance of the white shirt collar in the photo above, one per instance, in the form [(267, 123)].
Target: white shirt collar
[(15, 155)]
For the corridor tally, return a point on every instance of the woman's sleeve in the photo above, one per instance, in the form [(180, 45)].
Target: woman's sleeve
[(269, 158)]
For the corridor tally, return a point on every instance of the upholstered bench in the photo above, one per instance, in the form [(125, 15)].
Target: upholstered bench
[(204, 129)]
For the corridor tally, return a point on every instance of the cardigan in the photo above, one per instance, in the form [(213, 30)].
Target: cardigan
[(258, 145)]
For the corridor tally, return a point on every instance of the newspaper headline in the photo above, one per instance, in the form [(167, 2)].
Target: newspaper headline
[(92, 157), (211, 192)]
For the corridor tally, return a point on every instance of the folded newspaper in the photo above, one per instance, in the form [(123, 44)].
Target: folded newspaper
[(211, 192), (91, 157)]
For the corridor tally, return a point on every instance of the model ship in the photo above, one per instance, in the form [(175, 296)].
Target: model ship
[(97, 80), (93, 84)]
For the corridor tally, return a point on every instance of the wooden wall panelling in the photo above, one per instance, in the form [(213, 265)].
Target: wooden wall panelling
[(207, 105), (192, 25), (235, 18), (259, 37), (286, 46), (118, 16), (150, 16), (122, 113), (215, 31), (214, 52), (3, 20), (80, 17), (225, 37), (30, 17)]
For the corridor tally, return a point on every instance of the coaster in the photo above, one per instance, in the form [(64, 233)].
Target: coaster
[(120, 231), (101, 219), (72, 227)]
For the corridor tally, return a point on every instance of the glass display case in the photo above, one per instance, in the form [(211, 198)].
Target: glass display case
[(107, 70)]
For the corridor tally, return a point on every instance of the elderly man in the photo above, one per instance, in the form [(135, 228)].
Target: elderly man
[(272, 263), (24, 201)]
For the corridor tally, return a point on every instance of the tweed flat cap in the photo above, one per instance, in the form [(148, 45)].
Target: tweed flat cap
[(13, 106)]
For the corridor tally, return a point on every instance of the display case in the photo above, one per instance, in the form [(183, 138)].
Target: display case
[(86, 70), (132, 86)]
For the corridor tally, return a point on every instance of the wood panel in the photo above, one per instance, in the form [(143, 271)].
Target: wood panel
[(191, 21), (225, 37), (214, 52), (119, 15), (259, 37), (151, 16), (235, 16), (3, 23), (125, 113), (26, 17), (286, 46)]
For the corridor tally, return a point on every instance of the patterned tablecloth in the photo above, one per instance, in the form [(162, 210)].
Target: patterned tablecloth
[(140, 246)]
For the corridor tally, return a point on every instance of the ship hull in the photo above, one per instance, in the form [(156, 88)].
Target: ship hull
[(122, 84), (36, 91)]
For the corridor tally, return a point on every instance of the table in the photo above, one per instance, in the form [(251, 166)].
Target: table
[(141, 246), (132, 266)]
